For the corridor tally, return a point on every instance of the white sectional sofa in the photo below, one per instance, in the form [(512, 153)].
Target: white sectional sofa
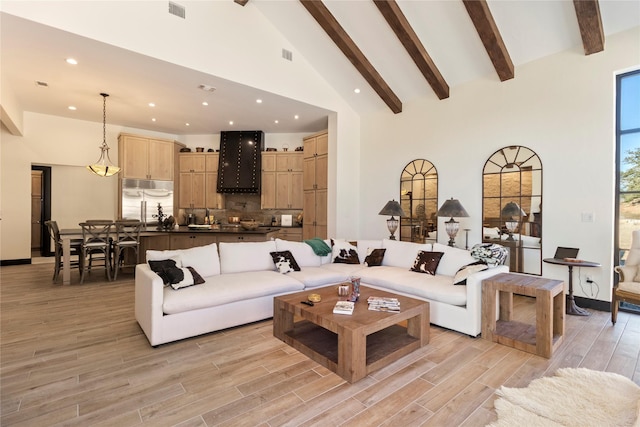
[(241, 280)]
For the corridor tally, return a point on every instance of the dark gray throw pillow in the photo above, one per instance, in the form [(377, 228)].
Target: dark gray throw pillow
[(374, 257)]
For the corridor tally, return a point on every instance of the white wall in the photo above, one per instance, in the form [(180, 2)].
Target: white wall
[(224, 30), (562, 107)]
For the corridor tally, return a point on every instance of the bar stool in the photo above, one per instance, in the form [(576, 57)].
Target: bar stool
[(76, 249), (127, 237), (96, 238)]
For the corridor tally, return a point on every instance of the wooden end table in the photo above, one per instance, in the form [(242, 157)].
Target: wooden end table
[(542, 338), (353, 345)]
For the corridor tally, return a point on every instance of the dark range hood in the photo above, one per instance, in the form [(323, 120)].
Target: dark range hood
[(240, 162)]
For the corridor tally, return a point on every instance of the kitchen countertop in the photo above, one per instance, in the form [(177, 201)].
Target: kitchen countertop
[(152, 230)]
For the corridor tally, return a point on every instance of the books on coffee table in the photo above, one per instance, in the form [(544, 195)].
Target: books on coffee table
[(344, 307), (383, 304)]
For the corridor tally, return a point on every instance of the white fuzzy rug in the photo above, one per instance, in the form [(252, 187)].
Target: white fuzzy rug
[(573, 397)]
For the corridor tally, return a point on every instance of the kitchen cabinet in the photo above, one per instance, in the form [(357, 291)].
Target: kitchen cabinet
[(246, 237), (281, 181), (289, 193), (191, 240), (315, 183), (293, 234), (198, 181), (141, 157), (158, 242)]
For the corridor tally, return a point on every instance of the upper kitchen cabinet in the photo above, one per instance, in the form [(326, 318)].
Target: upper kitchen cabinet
[(281, 180), (145, 158), (198, 181)]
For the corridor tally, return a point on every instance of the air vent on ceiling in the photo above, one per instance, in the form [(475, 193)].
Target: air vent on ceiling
[(207, 88), (41, 83), (287, 54), (176, 9)]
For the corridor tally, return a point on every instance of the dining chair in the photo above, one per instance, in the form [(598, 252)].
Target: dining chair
[(97, 254), (127, 237), (96, 239), (76, 249)]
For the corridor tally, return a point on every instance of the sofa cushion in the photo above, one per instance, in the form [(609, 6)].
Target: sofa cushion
[(435, 288), (285, 262), (302, 252), (246, 256), (374, 257), (227, 288), (204, 259), (427, 262), (452, 260), (402, 254), (344, 252), (314, 277)]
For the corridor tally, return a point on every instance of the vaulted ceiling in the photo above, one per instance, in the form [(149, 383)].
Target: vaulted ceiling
[(392, 51)]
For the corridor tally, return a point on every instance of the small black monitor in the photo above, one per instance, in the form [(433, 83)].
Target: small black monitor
[(562, 252)]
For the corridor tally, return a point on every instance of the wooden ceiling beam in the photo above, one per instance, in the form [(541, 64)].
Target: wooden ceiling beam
[(409, 39), (480, 14), (590, 23), (241, 2), (334, 30)]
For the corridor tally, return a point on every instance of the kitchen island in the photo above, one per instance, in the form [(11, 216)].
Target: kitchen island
[(186, 237), (181, 238)]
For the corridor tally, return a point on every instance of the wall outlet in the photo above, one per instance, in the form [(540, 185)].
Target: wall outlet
[(587, 216)]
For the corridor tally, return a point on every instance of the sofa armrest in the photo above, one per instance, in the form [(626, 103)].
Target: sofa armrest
[(149, 296), (474, 286)]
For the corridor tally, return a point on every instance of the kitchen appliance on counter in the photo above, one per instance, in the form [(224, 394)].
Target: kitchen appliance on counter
[(140, 199)]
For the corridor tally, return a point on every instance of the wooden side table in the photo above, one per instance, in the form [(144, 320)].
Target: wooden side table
[(542, 338)]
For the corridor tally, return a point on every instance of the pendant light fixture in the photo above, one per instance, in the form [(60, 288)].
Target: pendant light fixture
[(104, 166)]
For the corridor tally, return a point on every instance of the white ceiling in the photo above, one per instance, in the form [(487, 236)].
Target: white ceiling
[(530, 30)]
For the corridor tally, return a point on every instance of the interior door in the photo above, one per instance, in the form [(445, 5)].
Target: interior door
[(36, 210)]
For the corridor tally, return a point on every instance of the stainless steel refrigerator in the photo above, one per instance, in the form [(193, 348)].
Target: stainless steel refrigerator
[(141, 197)]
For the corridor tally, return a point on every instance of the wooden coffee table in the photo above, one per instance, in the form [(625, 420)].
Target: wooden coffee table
[(353, 345)]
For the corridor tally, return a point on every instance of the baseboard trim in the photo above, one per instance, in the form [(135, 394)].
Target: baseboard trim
[(593, 303), (15, 262)]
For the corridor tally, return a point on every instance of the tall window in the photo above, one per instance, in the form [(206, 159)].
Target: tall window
[(628, 164), (628, 158)]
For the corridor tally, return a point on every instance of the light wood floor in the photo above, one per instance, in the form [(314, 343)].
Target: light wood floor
[(74, 355)]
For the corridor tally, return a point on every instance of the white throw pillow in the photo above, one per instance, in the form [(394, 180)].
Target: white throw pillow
[(453, 259), (402, 254), (204, 259), (303, 253), (246, 256)]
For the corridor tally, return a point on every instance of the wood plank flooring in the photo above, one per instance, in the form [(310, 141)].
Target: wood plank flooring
[(75, 356)]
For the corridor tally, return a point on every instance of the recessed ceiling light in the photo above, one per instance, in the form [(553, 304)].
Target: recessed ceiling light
[(186, 124), (205, 103), (356, 90), (72, 108), (275, 121), (71, 61), (231, 122), (259, 101), (296, 117), (151, 104), (153, 119)]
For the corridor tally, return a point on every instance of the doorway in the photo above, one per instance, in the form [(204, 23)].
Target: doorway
[(40, 210)]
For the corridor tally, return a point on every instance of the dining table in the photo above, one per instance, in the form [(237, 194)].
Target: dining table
[(67, 235)]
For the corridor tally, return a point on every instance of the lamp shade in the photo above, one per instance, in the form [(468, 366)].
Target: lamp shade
[(392, 208), (512, 209), (452, 208)]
